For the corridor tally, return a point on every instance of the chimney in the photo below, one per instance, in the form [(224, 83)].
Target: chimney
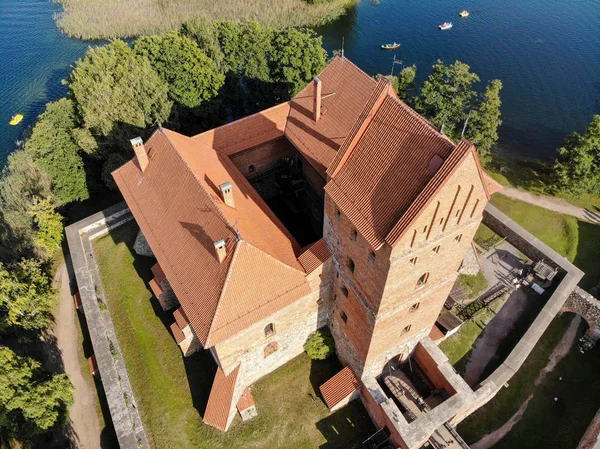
[(227, 193), (140, 152), (221, 250), (317, 99)]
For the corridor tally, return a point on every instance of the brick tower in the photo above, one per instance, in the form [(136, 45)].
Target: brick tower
[(402, 205)]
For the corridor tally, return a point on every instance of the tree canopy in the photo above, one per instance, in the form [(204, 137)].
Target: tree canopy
[(31, 401), (112, 85), (192, 77), (485, 120), (48, 226), (52, 146), (577, 165), (27, 297)]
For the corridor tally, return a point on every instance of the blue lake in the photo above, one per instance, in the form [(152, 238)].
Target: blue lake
[(546, 52)]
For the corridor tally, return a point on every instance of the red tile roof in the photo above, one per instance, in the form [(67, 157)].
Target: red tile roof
[(314, 256), (158, 273), (246, 401), (220, 399), (178, 206), (177, 333), (155, 287), (180, 318), (386, 169), (345, 91), (339, 387)]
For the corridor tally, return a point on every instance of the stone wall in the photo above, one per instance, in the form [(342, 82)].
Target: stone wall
[(587, 306)]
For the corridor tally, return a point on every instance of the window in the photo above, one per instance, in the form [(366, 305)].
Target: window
[(350, 265), (269, 330), (425, 229), (457, 212), (436, 249), (344, 290), (415, 307), (423, 279), (442, 220), (372, 257), (354, 234), (338, 214), (251, 168), (412, 241), (270, 349), (320, 301), (406, 329), (458, 238), (344, 317), (413, 261)]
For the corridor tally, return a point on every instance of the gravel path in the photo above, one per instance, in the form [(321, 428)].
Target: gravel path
[(552, 203), (85, 428), (562, 348)]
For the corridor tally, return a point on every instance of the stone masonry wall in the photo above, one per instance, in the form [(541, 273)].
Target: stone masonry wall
[(582, 303)]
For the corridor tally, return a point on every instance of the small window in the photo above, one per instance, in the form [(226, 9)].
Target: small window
[(269, 330), (270, 349), (350, 265), (413, 261), (372, 256), (442, 220), (344, 317), (458, 238), (344, 290), (457, 212), (415, 307), (354, 234), (425, 229), (320, 301), (338, 214), (436, 249), (251, 168), (406, 329), (423, 279)]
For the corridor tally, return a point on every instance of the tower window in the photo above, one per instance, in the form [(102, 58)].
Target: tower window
[(269, 330), (458, 238), (251, 168), (338, 214), (344, 290), (457, 212), (415, 307), (270, 349), (406, 329), (354, 234), (344, 317), (442, 220), (372, 256), (350, 265), (423, 279), (413, 261), (436, 249), (425, 229)]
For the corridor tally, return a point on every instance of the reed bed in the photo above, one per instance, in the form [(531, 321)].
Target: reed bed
[(108, 19)]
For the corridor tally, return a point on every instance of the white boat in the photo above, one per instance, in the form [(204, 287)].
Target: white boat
[(446, 26)]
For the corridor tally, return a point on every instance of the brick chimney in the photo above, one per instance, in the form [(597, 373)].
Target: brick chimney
[(221, 250), (140, 153), (227, 193), (317, 99)]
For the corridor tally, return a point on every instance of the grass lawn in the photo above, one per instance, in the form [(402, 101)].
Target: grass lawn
[(577, 240), (171, 391), (486, 238), (472, 285), (545, 423)]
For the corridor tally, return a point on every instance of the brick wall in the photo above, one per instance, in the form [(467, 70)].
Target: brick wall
[(262, 157)]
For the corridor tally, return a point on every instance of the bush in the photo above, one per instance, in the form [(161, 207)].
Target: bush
[(320, 345)]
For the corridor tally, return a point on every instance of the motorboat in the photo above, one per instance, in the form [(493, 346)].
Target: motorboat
[(446, 26), (393, 46), (464, 13)]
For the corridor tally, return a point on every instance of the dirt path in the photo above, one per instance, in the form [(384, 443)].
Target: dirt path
[(561, 350), (495, 331), (552, 203), (85, 428)]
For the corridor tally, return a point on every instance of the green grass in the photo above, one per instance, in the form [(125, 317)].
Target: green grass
[(546, 423), (171, 391), (472, 285), (107, 19), (486, 238), (576, 240)]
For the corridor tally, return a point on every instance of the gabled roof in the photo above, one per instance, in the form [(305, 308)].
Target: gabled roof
[(314, 256), (178, 206), (339, 387), (220, 399), (345, 91), (386, 169)]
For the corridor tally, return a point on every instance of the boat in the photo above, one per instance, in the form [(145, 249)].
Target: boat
[(390, 46), (446, 26), (464, 13), (16, 120)]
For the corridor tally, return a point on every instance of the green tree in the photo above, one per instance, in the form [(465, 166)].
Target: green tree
[(206, 34), (577, 165), (48, 223), (26, 296), (320, 345), (52, 146), (405, 80), (297, 56), (485, 120), (31, 401), (447, 95), (112, 85), (255, 49), (229, 35), (192, 76)]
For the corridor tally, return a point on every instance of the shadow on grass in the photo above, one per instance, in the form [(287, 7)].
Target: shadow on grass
[(525, 174), (588, 249)]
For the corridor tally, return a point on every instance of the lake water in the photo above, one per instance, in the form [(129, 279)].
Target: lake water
[(546, 52)]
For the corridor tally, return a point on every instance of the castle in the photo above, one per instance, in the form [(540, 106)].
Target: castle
[(342, 208)]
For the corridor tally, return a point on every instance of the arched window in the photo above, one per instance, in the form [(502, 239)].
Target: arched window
[(270, 349), (269, 330), (423, 279)]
